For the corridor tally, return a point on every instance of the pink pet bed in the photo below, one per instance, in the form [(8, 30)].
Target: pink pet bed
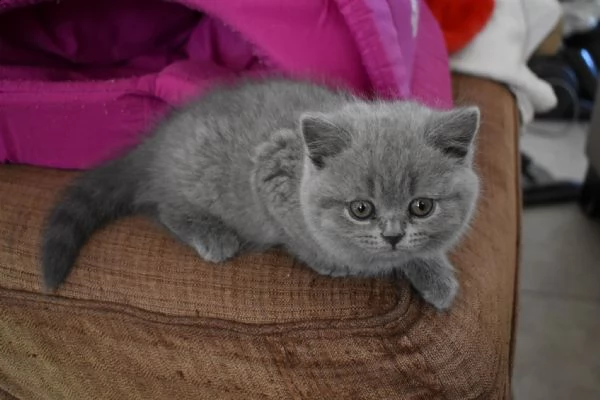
[(81, 80)]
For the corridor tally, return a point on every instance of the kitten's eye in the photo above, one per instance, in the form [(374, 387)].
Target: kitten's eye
[(361, 209), (421, 207)]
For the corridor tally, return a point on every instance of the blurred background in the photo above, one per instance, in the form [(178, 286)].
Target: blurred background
[(557, 347)]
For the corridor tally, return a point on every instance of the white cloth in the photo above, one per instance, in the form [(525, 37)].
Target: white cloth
[(580, 15), (501, 50)]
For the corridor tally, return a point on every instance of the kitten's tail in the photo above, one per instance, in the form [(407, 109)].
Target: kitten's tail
[(95, 198)]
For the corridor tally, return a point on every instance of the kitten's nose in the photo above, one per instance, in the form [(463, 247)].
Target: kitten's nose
[(393, 240)]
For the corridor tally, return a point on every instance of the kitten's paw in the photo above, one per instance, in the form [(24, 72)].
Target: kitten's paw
[(217, 250), (434, 279), (280, 140), (283, 137), (442, 295), (334, 272), (340, 272)]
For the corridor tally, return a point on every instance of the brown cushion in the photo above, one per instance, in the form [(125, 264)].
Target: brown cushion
[(142, 317)]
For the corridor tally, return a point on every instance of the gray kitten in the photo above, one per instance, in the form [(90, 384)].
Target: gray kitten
[(348, 186)]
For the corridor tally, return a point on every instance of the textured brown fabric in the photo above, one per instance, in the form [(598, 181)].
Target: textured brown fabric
[(141, 317)]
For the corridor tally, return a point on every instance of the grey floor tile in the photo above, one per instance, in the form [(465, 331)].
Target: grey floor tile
[(558, 349), (558, 147), (558, 337), (561, 252)]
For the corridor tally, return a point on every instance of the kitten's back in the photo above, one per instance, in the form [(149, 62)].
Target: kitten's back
[(213, 139), (272, 102)]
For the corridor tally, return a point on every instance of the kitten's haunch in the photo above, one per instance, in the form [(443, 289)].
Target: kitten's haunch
[(350, 187)]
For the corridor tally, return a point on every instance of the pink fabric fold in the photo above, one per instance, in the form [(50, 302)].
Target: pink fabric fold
[(82, 80)]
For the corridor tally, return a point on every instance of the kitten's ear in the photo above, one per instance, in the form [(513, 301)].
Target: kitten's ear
[(453, 131), (323, 138)]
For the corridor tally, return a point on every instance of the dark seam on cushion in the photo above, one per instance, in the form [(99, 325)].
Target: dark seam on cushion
[(401, 318), (86, 287), (518, 210)]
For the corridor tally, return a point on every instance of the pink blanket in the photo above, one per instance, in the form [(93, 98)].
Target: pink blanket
[(81, 80)]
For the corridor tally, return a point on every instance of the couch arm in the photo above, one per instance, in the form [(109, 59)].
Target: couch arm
[(141, 317)]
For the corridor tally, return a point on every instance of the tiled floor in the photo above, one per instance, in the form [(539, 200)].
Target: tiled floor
[(558, 337)]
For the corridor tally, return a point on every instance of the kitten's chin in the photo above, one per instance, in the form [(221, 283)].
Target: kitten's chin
[(397, 254), (391, 252), (381, 256)]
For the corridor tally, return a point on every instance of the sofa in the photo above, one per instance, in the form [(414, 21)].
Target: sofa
[(142, 317)]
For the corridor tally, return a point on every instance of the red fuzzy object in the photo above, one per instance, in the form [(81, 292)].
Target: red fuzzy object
[(461, 20)]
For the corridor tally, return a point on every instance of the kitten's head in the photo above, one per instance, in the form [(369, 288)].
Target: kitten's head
[(385, 181)]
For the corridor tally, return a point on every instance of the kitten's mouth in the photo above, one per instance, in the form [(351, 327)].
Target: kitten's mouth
[(389, 250), (395, 250)]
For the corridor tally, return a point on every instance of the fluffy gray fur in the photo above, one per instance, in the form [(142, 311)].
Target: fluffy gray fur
[(278, 163)]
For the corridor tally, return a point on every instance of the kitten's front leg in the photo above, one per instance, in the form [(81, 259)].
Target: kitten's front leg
[(330, 270), (212, 240), (434, 279)]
